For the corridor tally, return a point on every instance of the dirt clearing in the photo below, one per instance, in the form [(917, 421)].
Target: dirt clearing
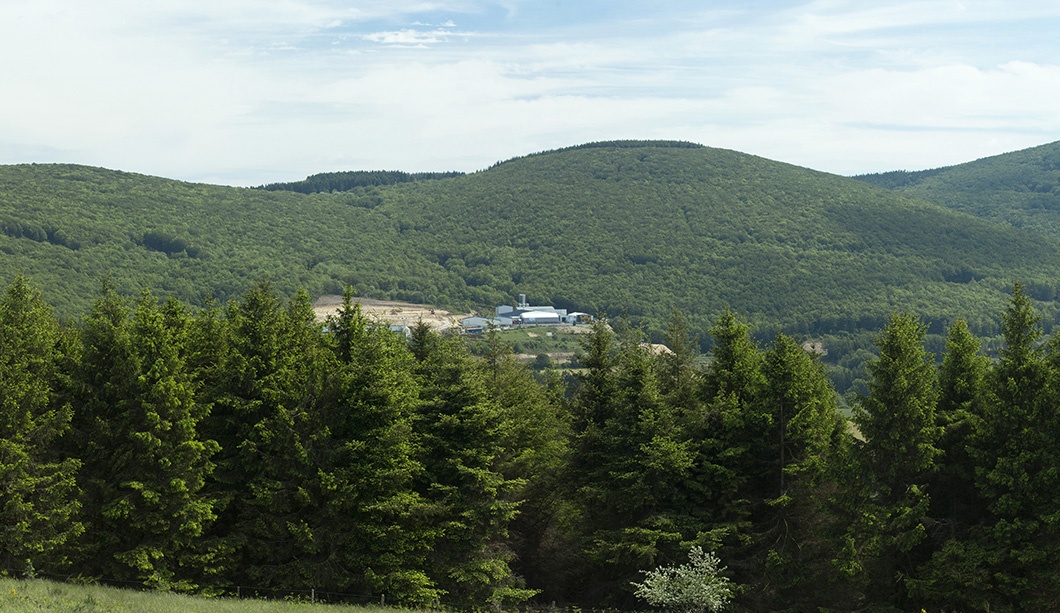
[(393, 312)]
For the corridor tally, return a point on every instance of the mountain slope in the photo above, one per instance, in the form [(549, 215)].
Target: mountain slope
[(655, 228), (1021, 188), (641, 228), (69, 227)]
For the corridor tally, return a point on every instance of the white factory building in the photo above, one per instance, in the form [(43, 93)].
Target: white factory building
[(524, 314)]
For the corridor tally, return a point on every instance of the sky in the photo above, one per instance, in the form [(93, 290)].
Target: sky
[(247, 92)]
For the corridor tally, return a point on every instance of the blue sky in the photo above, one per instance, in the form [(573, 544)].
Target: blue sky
[(244, 92)]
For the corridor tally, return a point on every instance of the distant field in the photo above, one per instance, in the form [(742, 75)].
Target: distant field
[(559, 343), (37, 595)]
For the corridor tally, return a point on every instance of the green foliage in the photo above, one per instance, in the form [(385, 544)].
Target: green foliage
[(348, 458), (636, 227), (897, 417), (791, 548), (958, 568), (805, 410), (801, 251), (1021, 188), (195, 242), (261, 416), (470, 500), (630, 459), (1013, 450), (731, 441), (534, 435), (694, 587), (347, 181), (895, 463), (39, 496), (1017, 416), (365, 510), (145, 466), (1000, 551), (962, 389)]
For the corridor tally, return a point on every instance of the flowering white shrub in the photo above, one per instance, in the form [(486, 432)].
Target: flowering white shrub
[(695, 587)]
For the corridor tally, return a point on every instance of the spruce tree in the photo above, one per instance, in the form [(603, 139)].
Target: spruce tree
[(145, 464), (630, 459), (39, 498), (962, 378), (459, 446), (958, 509), (791, 534), (734, 471), (679, 378), (365, 506), (1017, 455), (261, 417), (535, 435), (895, 462)]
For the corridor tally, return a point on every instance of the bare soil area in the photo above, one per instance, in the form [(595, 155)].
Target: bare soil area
[(393, 312)]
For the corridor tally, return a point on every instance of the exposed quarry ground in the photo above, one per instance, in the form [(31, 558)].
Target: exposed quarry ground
[(393, 312)]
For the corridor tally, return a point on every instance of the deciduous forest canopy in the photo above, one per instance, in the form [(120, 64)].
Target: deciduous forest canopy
[(624, 227)]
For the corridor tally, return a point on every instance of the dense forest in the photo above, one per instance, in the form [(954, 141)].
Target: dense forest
[(1021, 188), (346, 181), (250, 445), (633, 228)]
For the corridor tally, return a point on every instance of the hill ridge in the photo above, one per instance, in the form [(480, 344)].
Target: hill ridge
[(630, 228), (1020, 188)]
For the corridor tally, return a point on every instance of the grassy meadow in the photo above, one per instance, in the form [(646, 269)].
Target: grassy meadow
[(19, 596)]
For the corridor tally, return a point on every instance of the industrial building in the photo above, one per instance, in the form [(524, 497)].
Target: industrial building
[(524, 314)]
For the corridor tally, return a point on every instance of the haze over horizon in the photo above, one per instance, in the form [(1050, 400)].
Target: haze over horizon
[(243, 92)]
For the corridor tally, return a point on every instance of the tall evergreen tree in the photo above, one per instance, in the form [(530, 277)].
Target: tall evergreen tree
[(962, 379), (39, 495), (736, 362), (270, 379), (459, 446), (803, 404), (679, 378), (791, 535), (1017, 454), (630, 459), (145, 463), (588, 478), (895, 462), (960, 512), (534, 434), (735, 470), (365, 506)]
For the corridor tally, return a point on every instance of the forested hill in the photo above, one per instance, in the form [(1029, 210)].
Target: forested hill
[(637, 228), (346, 181), (1021, 188), (646, 230)]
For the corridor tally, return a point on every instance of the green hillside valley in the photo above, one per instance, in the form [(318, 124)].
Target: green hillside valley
[(622, 228), (856, 407)]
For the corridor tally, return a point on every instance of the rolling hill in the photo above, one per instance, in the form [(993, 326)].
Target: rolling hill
[(632, 227), (1021, 188)]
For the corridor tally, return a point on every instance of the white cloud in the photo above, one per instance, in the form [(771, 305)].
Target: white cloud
[(409, 37), (448, 23), (252, 91)]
